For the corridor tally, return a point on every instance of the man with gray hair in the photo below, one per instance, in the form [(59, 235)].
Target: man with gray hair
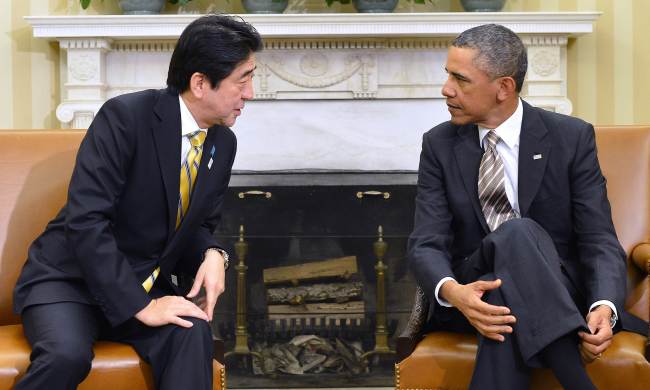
[(513, 233)]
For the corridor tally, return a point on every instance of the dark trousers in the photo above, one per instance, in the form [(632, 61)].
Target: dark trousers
[(538, 293), (62, 337)]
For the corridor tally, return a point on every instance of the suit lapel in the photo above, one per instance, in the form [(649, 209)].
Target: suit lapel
[(468, 154), (534, 152), (166, 135)]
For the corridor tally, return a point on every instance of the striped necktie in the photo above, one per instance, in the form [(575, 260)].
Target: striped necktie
[(491, 185), (189, 171)]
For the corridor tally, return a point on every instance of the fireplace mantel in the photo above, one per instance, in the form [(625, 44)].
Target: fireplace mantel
[(379, 75), (436, 24)]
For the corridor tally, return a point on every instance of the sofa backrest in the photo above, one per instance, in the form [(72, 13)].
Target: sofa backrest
[(35, 168), (624, 154)]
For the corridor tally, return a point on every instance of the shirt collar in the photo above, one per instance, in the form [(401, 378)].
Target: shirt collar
[(188, 123), (509, 130)]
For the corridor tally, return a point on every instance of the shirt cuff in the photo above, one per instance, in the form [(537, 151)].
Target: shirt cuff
[(441, 301), (603, 302)]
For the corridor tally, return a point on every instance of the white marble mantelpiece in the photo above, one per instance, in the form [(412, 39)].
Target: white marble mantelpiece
[(332, 91), (317, 25)]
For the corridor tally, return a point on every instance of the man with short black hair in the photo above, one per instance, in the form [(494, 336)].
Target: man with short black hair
[(143, 202), (513, 234)]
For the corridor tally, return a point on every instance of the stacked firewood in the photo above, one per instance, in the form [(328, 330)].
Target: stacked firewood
[(315, 293), (318, 303)]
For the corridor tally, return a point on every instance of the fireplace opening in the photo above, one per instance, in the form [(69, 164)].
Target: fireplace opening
[(318, 287)]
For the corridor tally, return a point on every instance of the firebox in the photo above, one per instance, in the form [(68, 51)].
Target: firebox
[(318, 286)]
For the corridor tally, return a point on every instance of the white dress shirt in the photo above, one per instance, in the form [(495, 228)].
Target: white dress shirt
[(188, 126), (508, 150)]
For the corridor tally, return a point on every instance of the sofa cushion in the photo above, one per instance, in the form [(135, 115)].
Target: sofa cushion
[(115, 366), (446, 360)]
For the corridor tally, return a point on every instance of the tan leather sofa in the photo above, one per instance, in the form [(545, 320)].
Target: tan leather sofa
[(441, 360), (35, 168)]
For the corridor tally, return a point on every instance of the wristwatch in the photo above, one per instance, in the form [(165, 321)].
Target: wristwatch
[(223, 253), (612, 320)]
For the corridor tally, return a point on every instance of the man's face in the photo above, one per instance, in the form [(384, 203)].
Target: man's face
[(471, 94), (222, 105)]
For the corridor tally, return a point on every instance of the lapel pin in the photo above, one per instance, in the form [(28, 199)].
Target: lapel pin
[(537, 156)]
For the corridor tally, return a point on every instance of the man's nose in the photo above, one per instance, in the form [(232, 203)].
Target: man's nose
[(249, 91), (447, 90)]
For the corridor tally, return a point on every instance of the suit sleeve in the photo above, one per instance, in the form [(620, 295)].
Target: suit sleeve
[(430, 241), (599, 252), (98, 178), (204, 238)]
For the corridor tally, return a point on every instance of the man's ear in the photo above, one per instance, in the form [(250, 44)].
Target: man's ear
[(198, 84), (507, 88)]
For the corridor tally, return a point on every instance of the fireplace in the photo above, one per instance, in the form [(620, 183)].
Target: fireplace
[(286, 219)]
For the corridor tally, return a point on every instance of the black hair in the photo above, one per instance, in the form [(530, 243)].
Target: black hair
[(212, 45)]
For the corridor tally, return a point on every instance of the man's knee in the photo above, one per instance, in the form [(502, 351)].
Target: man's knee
[(199, 334), (519, 226), (65, 356), (197, 338), (521, 239), (520, 231)]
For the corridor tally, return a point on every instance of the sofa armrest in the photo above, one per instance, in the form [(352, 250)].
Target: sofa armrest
[(413, 331), (218, 350), (641, 258)]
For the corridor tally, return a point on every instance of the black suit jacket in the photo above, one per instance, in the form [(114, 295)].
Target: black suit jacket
[(119, 220), (564, 191)]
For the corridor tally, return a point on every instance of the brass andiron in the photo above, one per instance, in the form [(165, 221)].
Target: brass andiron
[(381, 333), (241, 333)]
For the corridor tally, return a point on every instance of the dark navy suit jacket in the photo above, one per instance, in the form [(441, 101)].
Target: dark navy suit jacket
[(119, 220), (563, 191)]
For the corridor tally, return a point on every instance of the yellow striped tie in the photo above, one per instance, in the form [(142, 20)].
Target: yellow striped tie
[(189, 170)]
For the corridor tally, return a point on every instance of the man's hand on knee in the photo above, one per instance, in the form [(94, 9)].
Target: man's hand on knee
[(210, 276), (491, 321), (593, 345), (169, 310)]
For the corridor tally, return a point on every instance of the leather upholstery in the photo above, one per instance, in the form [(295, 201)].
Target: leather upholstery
[(442, 360), (35, 168), (446, 360)]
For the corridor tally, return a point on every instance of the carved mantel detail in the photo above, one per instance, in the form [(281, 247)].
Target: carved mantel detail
[(320, 58), (316, 74)]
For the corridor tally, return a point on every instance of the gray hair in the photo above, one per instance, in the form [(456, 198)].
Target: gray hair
[(500, 51)]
